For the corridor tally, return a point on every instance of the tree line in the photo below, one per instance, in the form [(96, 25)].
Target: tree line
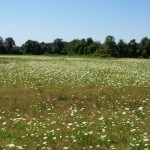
[(110, 48)]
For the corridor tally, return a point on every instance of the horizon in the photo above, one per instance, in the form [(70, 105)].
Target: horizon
[(44, 21)]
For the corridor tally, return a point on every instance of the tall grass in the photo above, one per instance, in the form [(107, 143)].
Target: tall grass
[(74, 103)]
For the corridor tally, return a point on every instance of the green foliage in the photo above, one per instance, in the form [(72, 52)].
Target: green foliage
[(122, 48), (110, 47), (92, 48), (2, 47), (132, 48), (1, 41), (90, 41), (144, 47), (80, 47), (9, 44), (32, 47), (57, 46)]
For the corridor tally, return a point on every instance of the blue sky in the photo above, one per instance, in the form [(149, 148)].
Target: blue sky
[(46, 20)]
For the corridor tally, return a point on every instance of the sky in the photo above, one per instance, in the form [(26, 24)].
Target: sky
[(46, 20)]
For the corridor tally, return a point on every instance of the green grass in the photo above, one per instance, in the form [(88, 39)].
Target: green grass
[(74, 103)]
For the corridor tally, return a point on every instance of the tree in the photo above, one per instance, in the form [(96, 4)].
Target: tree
[(45, 48), (148, 48), (132, 48), (92, 48), (144, 47), (110, 47), (89, 41), (2, 47), (82, 46), (32, 47), (58, 46), (72, 47), (9, 44), (1, 41), (16, 50), (122, 49)]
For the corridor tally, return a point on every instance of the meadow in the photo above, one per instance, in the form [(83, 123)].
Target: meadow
[(60, 103)]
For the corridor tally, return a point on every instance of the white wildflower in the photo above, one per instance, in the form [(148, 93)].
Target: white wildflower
[(11, 145), (140, 108), (65, 147)]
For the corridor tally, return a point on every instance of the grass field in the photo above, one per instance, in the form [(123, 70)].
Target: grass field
[(60, 103)]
